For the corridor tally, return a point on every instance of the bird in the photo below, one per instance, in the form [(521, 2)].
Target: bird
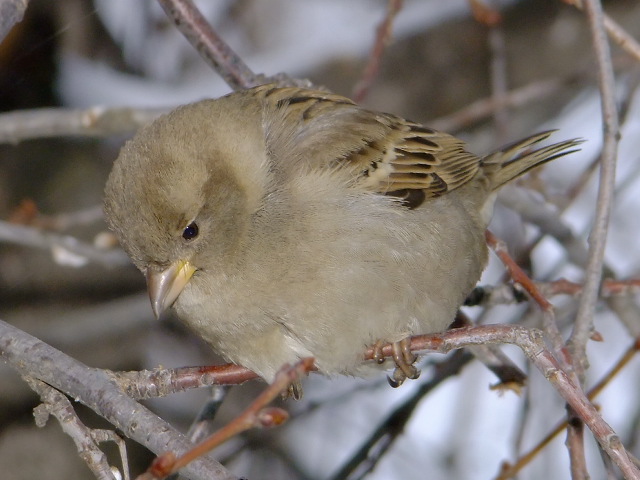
[(282, 223)]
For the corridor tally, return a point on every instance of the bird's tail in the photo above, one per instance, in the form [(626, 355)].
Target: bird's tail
[(519, 157)]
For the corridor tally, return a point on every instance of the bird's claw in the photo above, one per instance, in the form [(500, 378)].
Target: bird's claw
[(404, 359), (294, 391)]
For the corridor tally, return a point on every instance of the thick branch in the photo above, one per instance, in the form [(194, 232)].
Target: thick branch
[(96, 390)]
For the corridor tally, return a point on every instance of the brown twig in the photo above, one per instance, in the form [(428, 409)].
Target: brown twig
[(383, 36), (209, 44), (515, 272), (548, 314), (94, 388), (511, 470), (574, 432), (484, 13), (256, 415), (161, 382), (491, 356), (531, 342)]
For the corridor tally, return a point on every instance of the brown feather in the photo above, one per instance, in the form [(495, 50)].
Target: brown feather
[(390, 155)]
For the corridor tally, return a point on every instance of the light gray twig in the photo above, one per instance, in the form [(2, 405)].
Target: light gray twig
[(11, 12), (60, 244), (96, 390), (597, 239), (59, 122)]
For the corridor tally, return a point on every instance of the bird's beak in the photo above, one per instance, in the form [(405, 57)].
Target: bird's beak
[(165, 286)]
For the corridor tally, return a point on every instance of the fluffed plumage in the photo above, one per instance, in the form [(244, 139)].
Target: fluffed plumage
[(284, 222)]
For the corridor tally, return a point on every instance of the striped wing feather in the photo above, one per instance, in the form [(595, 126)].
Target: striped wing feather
[(388, 154)]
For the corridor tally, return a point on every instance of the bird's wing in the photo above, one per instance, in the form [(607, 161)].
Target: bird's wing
[(385, 153)]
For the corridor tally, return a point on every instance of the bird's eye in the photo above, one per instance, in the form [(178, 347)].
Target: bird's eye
[(190, 232)]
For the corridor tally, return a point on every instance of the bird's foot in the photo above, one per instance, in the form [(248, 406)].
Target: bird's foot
[(404, 359), (293, 391)]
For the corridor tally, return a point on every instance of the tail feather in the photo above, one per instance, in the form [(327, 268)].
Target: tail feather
[(518, 158)]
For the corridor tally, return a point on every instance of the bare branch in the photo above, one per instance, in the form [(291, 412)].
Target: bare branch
[(615, 31), (383, 36), (96, 390), (61, 245), (255, 416), (209, 45), (531, 342), (11, 12), (161, 382), (483, 108), (584, 319), (56, 404), (60, 122)]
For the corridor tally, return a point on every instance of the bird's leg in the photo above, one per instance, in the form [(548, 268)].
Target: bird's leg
[(404, 359)]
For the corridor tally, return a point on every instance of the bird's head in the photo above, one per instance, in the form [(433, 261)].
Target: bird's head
[(181, 194)]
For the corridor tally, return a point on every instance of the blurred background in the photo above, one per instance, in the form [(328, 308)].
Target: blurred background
[(442, 68)]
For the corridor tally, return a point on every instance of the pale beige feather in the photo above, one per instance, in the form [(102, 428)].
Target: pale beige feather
[(300, 248)]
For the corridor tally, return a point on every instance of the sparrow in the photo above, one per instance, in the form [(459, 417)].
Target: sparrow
[(283, 223)]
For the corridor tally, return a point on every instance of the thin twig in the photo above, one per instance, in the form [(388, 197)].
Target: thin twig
[(95, 389), (615, 31), (483, 108), (66, 249), (211, 47), (256, 415), (61, 122), (383, 36), (364, 460), (166, 381), (531, 342), (586, 309), (548, 314), (56, 404)]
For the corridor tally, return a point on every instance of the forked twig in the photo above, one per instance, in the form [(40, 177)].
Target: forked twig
[(531, 342), (521, 278), (256, 415), (510, 470)]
